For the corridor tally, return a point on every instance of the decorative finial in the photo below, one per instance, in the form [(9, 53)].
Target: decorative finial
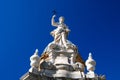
[(34, 62), (90, 64)]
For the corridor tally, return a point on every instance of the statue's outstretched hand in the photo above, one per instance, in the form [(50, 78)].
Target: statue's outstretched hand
[(54, 16)]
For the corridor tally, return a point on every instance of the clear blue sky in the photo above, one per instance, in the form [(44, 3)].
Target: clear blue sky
[(25, 26)]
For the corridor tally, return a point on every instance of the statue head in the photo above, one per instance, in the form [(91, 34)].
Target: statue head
[(61, 19)]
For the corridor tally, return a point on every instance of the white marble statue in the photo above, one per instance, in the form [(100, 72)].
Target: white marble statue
[(61, 32)]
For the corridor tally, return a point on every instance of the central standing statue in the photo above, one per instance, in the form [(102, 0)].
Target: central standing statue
[(61, 32)]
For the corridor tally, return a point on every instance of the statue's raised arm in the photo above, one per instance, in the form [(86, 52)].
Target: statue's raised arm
[(53, 23)]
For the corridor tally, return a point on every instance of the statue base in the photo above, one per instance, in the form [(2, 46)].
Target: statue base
[(62, 73)]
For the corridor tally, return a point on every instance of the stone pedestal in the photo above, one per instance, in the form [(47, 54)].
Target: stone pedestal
[(63, 73), (61, 63)]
